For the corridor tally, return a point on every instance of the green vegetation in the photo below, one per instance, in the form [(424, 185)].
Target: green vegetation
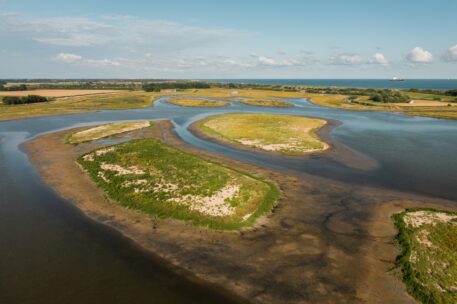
[(293, 135), (452, 93), (21, 87), (390, 96), (179, 85), (105, 131), (15, 100), (428, 261), (78, 104), (159, 180), (265, 103), (188, 102)]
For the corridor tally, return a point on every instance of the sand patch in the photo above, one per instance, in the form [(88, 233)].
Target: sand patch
[(121, 170), (419, 218), (215, 205)]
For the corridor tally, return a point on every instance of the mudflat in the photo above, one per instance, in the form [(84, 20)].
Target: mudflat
[(325, 242)]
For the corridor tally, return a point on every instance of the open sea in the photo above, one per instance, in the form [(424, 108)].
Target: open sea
[(433, 84)]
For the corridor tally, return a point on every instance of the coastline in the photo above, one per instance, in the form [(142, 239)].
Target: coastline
[(333, 149), (305, 250)]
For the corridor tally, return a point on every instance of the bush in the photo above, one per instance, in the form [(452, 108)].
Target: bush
[(451, 92), (14, 100), (157, 86), (389, 96), (21, 87)]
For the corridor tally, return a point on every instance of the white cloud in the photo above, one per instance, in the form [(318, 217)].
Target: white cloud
[(419, 55), (79, 60), (69, 58), (378, 58), (451, 54), (270, 62), (114, 31), (346, 59)]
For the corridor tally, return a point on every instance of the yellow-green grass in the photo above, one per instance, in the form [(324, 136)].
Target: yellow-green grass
[(427, 96), (79, 104), (103, 131), (158, 180), (286, 134), (188, 102), (243, 93), (264, 102), (363, 103), (428, 240)]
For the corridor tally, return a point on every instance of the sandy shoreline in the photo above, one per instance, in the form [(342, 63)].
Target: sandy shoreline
[(320, 232)]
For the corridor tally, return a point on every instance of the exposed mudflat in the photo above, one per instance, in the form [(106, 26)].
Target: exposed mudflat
[(326, 242)]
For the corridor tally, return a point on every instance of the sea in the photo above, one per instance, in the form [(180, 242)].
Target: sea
[(423, 84)]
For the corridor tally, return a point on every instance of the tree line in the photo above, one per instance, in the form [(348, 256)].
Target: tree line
[(21, 87), (15, 100), (157, 86)]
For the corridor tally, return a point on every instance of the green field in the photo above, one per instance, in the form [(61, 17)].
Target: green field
[(105, 131), (293, 135), (159, 180), (79, 104), (188, 102), (428, 240)]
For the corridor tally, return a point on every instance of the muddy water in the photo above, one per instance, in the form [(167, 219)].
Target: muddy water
[(49, 252)]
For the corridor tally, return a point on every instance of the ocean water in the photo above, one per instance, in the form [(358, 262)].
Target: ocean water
[(433, 84)]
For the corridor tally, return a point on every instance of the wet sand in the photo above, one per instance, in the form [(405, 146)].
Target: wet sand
[(325, 242)]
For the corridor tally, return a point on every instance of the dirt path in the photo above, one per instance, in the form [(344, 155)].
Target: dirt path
[(326, 242)]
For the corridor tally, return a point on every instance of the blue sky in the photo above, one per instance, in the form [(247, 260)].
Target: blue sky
[(228, 39)]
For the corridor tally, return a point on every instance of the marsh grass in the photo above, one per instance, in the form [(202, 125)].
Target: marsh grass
[(188, 102), (103, 131), (288, 134), (428, 266), (190, 175)]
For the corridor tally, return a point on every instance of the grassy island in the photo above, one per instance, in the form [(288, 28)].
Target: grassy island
[(428, 240), (154, 178), (105, 131), (287, 134), (188, 102), (265, 103)]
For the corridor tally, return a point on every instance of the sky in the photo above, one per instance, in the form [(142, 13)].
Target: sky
[(202, 39)]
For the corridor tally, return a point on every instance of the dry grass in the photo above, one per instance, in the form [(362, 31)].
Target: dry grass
[(293, 135), (57, 93), (79, 104), (187, 102), (105, 131)]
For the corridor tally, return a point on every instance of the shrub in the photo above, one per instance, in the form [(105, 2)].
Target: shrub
[(389, 96), (14, 100)]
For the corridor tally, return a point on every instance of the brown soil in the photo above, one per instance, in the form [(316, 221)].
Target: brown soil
[(326, 242)]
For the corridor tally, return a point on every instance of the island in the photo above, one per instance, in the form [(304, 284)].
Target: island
[(158, 180), (284, 134), (428, 260)]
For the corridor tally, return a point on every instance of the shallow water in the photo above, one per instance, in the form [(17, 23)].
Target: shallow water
[(50, 253)]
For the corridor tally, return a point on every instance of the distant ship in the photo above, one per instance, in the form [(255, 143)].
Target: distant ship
[(397, 79)]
